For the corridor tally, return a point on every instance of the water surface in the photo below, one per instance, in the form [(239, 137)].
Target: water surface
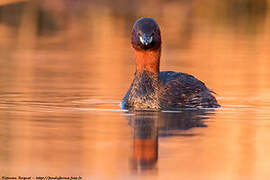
[(60, 94)]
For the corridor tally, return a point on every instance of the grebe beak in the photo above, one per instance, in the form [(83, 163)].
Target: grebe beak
[(145, 40)]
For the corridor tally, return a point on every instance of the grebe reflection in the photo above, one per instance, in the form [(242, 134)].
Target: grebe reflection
[(148, 127)]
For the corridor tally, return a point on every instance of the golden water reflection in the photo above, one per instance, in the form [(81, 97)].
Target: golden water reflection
[(64, 70)]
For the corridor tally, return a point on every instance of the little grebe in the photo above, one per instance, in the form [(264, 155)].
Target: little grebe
[(155, 90)]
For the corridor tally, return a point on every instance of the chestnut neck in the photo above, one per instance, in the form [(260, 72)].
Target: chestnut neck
[(148, 60)]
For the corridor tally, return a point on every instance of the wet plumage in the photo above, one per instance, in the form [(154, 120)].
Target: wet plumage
[(181, 90), (166, 90)]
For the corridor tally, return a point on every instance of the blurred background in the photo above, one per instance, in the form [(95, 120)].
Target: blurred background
[(80, 40), (65, 66)]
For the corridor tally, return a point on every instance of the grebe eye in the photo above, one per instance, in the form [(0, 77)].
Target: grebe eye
[(139, 33)]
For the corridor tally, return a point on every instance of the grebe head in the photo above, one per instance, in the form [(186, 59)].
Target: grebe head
[(146, 35)]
